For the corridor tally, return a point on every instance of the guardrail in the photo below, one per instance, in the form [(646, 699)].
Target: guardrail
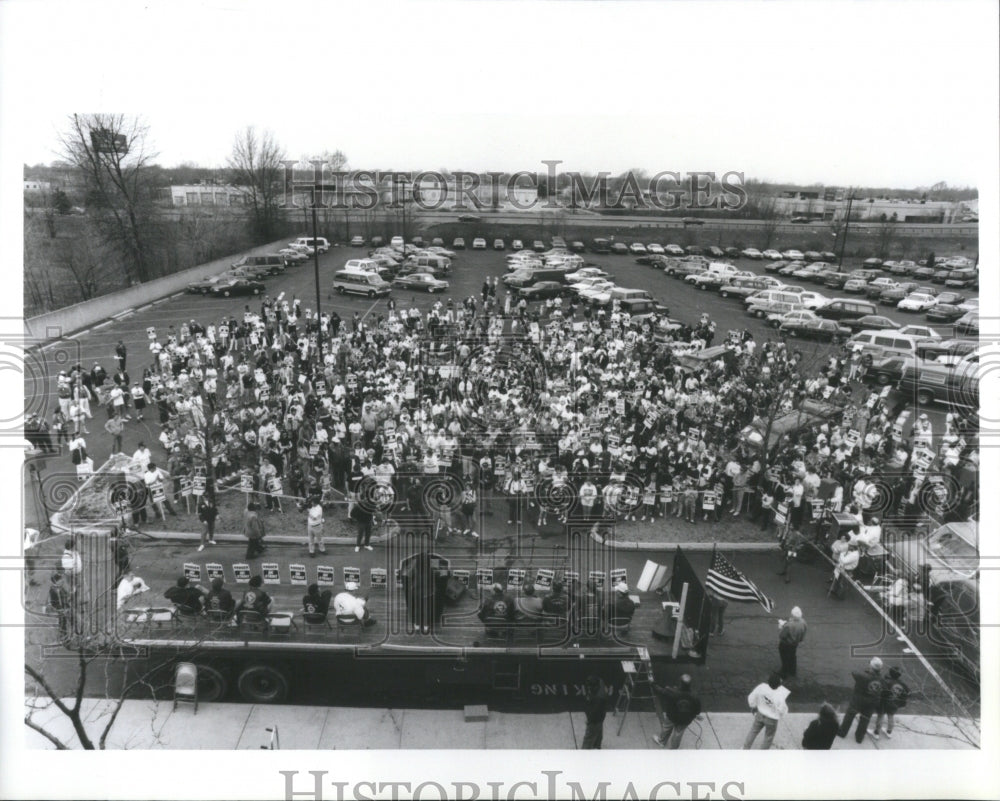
[(62, 322)]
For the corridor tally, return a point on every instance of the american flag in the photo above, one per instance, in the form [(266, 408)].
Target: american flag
[(727, 582)]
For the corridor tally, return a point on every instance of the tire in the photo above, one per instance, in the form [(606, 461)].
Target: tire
[(262, 684), (340, 290), (204, 292), (758, 314), (430, 290), (702, 287), (723, 294), (371, 294), (213, 684), (256, 292), (925, 397), (883, 379), (225, 294)]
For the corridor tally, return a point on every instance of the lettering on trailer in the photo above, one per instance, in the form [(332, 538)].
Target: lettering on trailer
[(515, 578), (298, 574), (598, 577), (270, 572), (618, 575), (378, 578), (462, 575), (352, 574), (325, 575), (214, 571), (192, 571), (241, 572), (571, 575), (564, 690), (544, 578)]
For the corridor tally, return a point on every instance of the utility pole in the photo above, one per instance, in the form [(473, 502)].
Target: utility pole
[(847, 222)]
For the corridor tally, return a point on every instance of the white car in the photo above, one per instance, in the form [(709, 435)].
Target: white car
[(814, 300), (674, 250), (791, 317), (307, 249), (972, 304), (292, 255), (479, 243), (586, 272), (397, 243), (637, 249), (752, 253), (883, 283), (772, 255), (922, 331), (917, 302), (517, 244), (586, 290), (655, 249), (440, 251), (793, 255)]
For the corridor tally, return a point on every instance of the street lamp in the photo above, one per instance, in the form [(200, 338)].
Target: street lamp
[(847, 222)]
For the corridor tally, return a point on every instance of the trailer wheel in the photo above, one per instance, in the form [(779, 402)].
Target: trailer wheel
[(213, 684), (263, 684), (925, 397)]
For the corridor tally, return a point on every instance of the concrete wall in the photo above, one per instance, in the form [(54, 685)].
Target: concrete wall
[(55, 324)]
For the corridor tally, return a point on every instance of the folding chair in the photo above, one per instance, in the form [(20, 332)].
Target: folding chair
[(281, 624), (186, 684), (251, 622), (348, 623), (316, 623)]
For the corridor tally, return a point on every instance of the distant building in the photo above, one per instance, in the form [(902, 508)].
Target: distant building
[(37, 186), (831, 205), (204, 195)]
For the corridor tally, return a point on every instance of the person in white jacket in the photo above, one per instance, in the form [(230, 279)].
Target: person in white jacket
[(767, 702)]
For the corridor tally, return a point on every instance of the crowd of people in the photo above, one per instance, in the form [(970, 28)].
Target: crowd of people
[(563, 412)]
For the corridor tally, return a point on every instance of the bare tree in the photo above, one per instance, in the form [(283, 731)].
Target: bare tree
[(110, 151), (256, 167), (83, 260)]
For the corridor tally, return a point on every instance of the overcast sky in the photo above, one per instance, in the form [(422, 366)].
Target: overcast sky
[(839, 93)]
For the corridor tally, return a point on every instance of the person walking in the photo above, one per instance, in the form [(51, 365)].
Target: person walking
[(868, 686), (767, 701), (207, 512), (791, 633), (120, 354), (314, 526), (895, 693), (820, 733), (680, 708), (253, 530), (596, 705)]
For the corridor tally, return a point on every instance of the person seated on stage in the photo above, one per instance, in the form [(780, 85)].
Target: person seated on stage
[(130, 586), (254, 599), (497, 610), (529, 605), (315, 604), (188, 599), (557, 602), (870, 535), (620, 606), (347, 605), (219, 600)]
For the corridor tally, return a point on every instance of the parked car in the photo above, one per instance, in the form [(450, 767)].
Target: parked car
[(892, 296), (916, 301), (498, 244), (619, 249), (752, 253), (586, 272), (716, 251), (293, 256), (577, 246), (422, 281), (871, 322), (538, 246), (637, 248), (962, 279), (822, 330), (946, 351), (693, 250), (919, 331), (733, 253), (437, 242), (855, 286), (517, 244), (237, 286), (775, 266), (772, 254), (873, 262), (674, 250), (813, 300), (542, 290), (924, 273), (846, 308), (968, 325), (458, 243), (745, 287), (479, 243), (206, 285), (793, 255), (886, 371)]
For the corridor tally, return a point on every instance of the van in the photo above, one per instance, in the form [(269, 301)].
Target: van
[(954, 385), (721, 268), (640, 309), (846, 309), (784, 295), (437, 264), (621, 293), (273, 262), (362, 266), (360, 283), (319, 243), (875, 344)]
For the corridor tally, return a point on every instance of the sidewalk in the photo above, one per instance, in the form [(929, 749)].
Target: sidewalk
[(223, 726)]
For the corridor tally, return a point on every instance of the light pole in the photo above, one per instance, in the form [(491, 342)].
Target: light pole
[(847, 222), (319, 316)]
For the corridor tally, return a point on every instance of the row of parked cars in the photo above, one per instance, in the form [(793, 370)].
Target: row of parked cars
[(245, 276)]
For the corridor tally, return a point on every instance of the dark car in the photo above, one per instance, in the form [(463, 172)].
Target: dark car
[(951, 348), (836, 280), (423, 281), (950, 297), (841, 309), (694, 250), (237, 286), (823, 330), (940, 276), (733, 253), (886, 372), (924, 273), (577, 246), (871, 322), (601, 245), (715, 250), (619, 249), (538, 246), (774, 266), (873, 262), (206, 286), (891, 297), (944, 313), (468, 218), (542, 290)]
